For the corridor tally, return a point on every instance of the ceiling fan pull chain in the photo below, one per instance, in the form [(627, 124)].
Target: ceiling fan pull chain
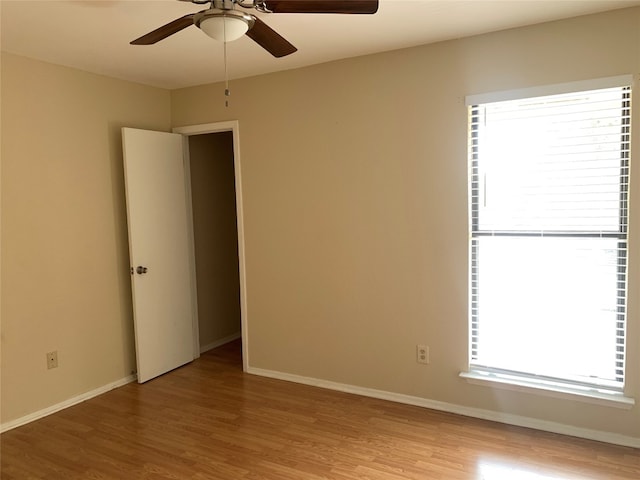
[(227, 93)]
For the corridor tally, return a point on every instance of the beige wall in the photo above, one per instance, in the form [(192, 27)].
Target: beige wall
[(355, 202), (215, 236), (65, 281)]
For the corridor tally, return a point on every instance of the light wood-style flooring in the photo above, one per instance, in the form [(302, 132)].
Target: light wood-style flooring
[(209, 420)]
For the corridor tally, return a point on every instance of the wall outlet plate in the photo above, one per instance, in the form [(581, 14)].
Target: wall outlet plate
[(422, 354)]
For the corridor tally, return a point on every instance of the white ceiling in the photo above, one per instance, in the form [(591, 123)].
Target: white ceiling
[(95, 35)]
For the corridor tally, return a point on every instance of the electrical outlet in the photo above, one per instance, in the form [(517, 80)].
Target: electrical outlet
[(422, 354), (52, 360)]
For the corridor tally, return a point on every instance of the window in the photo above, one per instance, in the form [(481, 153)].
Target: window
[(549, 176)]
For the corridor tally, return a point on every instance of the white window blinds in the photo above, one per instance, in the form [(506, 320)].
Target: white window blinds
[(549, 203)]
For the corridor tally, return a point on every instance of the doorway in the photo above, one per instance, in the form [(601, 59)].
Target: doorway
[(212, 166)]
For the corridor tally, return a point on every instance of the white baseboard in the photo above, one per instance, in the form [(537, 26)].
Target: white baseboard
[(65, 404), (218, 343), (506, 418)]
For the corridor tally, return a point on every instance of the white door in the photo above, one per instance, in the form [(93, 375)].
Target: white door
[(159, 250)]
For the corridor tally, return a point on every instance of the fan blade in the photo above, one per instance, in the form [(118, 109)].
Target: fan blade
[(322, 6), (165, 31), (269, 39)]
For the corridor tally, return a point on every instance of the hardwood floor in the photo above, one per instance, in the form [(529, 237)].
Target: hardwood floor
[(208, 420)]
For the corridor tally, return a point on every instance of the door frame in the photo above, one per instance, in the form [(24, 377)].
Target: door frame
[(203, 129)]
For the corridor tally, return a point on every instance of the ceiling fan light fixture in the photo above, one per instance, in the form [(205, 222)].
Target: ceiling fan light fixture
[(224, 25)]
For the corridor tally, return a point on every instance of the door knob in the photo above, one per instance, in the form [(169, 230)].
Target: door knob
[(140, 270)]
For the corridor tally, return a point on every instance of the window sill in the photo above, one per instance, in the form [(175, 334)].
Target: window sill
[(617, 400)]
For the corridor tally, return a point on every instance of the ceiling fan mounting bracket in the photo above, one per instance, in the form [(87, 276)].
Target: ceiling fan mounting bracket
[(223, 4)]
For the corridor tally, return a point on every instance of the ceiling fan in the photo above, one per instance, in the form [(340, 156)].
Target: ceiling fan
[(222, 21)]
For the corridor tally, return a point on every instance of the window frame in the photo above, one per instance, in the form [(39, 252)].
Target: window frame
[(518, 380)]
